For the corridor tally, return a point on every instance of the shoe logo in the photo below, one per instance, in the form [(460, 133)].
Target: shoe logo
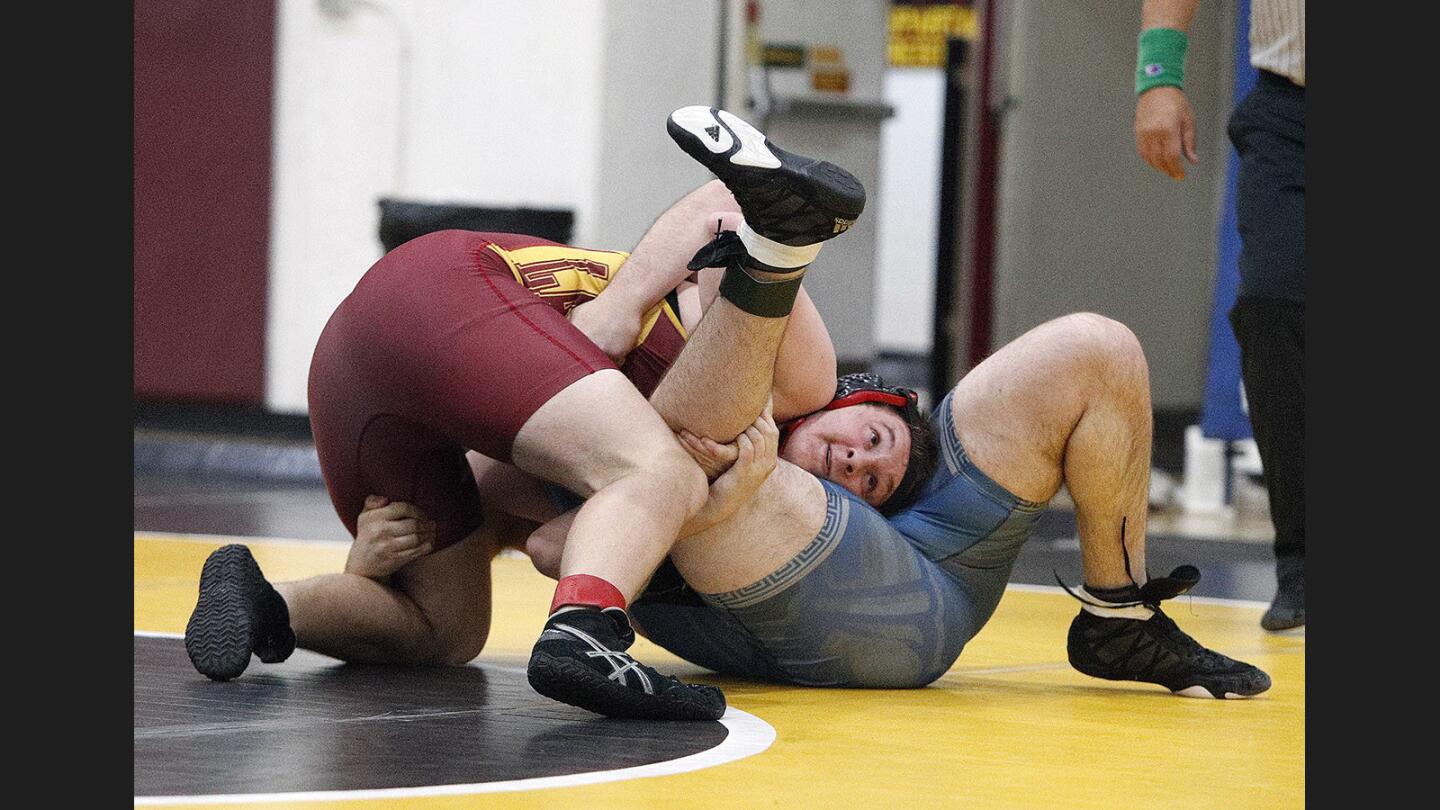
[(713, 132), (620, 663), (842, 225)]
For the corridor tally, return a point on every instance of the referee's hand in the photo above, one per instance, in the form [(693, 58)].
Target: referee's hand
[(1165, 130)]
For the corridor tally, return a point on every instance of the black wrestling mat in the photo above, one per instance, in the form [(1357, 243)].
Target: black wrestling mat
[(313, 724)]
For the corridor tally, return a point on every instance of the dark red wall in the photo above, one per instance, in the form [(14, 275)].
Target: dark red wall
[(204, 82)]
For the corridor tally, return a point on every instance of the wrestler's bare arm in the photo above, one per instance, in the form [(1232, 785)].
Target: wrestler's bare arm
[(784, 508), (389, 535), (748, 463), (657, 265)]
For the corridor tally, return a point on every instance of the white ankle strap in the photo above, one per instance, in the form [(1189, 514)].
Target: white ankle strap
[(1128, 612), (768, 251)]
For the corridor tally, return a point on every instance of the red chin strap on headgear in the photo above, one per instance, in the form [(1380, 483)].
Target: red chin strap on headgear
[(858, 389)]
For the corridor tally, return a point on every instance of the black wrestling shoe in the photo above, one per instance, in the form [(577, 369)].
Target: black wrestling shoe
[(239, 612), (580, 659), (788, 198), (1154, 649)]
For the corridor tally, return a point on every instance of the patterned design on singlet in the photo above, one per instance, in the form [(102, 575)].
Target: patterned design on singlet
[(566, 277), (837, 515)]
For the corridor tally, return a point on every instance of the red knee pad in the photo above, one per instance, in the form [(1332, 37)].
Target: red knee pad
[(583, 589)]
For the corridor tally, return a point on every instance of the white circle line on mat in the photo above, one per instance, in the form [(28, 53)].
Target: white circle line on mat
[(748, 735)]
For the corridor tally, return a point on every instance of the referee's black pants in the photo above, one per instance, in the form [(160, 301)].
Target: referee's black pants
[(1268, 131)]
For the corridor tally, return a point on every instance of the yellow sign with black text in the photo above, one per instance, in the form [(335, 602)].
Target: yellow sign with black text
[(918, 32)]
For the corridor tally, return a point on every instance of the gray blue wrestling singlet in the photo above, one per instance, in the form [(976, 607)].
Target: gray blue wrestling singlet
[(871, 601)]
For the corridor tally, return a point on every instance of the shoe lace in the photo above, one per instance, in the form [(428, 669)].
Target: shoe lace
[(1152, 593), (718, 252)]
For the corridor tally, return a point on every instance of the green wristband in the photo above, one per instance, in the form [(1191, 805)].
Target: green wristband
[(1161, 59)]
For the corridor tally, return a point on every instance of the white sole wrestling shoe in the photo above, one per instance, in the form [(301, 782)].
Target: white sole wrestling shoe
[(580, 659), (1133, 640), (787, 198)]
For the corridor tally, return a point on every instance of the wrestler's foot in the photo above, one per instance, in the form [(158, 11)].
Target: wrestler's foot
[(788, 198), (1136, 641), (580, 659), (239, 612)]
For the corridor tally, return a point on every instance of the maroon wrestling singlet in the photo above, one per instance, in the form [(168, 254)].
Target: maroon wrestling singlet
[(451, 342)]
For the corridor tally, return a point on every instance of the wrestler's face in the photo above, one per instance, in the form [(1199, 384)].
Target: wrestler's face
[(864, 448)]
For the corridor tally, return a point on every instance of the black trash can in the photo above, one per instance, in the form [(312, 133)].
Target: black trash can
[(403, 220)]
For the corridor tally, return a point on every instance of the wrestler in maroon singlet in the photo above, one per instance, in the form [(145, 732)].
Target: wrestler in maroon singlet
[(451, 342)]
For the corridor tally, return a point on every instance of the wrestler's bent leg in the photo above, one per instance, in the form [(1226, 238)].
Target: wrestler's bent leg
[(405, 376), (580, 658), (435, 610), (1068, 401), (1092, 431)]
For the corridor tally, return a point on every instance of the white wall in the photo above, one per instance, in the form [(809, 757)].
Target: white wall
[(654, 63), (503, 109), (908, 217)]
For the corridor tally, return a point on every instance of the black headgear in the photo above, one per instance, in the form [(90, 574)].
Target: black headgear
[(861, 387), (865, 388)]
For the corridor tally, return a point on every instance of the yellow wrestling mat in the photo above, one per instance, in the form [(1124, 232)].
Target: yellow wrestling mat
[(1010, 725)]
